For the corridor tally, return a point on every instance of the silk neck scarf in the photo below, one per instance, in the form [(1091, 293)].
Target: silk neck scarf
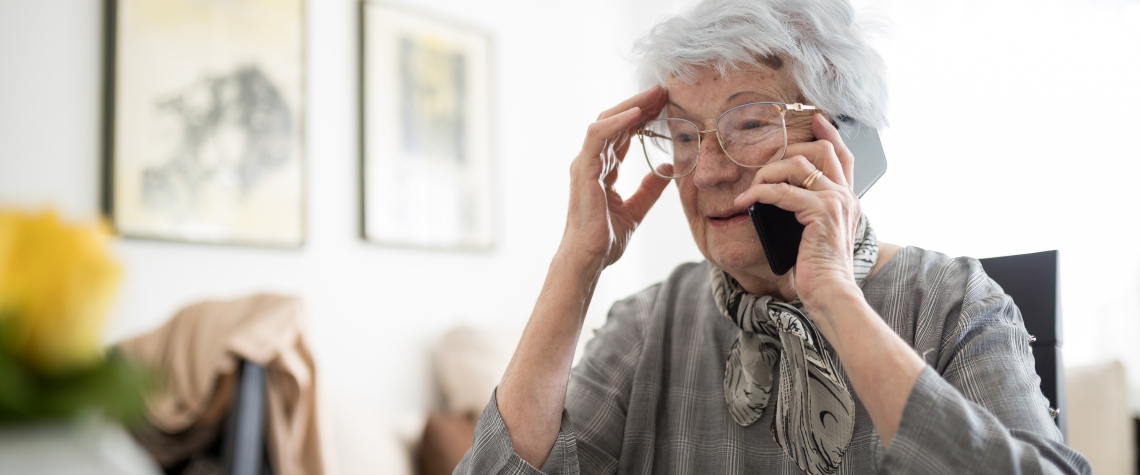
[(815, 413)]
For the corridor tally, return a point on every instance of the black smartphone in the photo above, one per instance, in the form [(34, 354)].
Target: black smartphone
[(780, 232)]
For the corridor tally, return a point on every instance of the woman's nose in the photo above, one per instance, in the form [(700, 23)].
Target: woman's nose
[(714, 168)]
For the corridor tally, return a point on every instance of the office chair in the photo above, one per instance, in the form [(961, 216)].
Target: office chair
[(1031, 280)]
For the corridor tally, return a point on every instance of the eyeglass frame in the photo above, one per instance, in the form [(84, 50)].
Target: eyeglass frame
[(784, 108)]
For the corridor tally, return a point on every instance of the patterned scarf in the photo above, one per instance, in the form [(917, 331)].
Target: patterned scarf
[(815, 413)]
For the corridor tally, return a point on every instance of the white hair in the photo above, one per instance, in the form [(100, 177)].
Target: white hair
[(831, 61)]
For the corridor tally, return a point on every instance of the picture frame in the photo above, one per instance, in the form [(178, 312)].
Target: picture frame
[(204, 121), (426, 128)]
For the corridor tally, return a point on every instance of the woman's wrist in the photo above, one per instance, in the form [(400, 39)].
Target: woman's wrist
[(835, 305), (578, 262), (573, 275)]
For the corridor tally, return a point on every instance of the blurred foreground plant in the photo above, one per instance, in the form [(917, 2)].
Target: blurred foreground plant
[(56, 283)]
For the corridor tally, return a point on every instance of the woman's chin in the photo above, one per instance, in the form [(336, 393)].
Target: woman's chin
[(738, 256)]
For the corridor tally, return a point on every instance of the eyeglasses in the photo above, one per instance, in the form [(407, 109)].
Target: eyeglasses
[(752, 135)]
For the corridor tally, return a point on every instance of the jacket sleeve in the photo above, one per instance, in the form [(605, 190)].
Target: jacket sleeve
[(596, 403), (492, 451), (980, 408)]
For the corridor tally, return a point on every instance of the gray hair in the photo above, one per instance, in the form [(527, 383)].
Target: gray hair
[(834, 66)]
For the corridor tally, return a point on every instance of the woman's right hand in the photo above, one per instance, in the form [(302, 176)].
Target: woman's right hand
[(532, 394), (599, 222)]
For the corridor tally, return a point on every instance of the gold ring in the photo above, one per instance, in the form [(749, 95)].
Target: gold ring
[(810, 180)]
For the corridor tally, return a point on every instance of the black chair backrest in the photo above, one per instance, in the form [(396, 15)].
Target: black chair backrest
[(243, 438), (1032, 281)]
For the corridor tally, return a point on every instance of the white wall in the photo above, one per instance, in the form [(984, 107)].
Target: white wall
[(1011, 133), (1013, 125), (374, 311)]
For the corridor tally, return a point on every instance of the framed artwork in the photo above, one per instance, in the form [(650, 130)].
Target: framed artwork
[(425, 131), (203, 120)]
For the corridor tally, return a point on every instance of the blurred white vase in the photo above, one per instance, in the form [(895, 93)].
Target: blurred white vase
[(86, 445)]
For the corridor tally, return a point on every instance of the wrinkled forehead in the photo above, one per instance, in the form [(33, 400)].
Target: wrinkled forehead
[(710, 92)]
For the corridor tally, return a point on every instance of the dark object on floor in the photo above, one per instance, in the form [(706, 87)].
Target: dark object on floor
[(1032, 281), (446, 439)]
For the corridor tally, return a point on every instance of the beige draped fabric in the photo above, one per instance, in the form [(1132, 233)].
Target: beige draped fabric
[(198, 352)]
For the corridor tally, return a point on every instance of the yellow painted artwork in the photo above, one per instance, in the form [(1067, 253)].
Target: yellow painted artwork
[(426, 126)]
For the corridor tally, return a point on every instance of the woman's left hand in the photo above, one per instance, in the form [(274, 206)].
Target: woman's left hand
[(881, 366), (828, 209)]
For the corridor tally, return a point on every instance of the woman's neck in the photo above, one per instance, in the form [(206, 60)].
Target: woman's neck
[(762, 282)]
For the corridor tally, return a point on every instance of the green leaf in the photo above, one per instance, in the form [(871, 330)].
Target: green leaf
[(114, 386)]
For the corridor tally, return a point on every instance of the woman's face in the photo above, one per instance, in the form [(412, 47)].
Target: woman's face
[(724, 232)]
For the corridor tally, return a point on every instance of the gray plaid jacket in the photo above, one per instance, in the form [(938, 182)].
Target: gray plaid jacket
[(648, 397)]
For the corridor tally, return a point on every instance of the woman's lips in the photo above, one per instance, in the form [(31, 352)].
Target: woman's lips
[(728, 220)]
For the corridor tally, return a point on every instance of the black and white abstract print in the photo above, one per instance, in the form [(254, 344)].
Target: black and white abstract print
[(815, 412)]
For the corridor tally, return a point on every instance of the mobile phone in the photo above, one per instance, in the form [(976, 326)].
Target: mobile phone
[(780, 232)]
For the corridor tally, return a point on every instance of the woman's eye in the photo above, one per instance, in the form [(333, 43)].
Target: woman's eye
[(751, 124), (685, 138)]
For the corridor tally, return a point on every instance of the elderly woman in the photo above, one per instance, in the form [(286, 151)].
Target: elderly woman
[(866, 357)]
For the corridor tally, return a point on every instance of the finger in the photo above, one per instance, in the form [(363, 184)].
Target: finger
[(611, 171), (823, 130), (620, 143), (650, 101), (821, 155), (601, 132), (783, 195), (829, 154), (793, 170), (645, 196)]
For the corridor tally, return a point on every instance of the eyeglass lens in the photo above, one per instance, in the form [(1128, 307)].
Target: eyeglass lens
[(752, 135)]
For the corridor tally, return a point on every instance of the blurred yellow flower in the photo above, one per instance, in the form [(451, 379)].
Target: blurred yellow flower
[(56, 283)]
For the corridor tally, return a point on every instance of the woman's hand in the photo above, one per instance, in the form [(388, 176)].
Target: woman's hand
[(829, 211), (532, 393), (881, 366), (599, 222)]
